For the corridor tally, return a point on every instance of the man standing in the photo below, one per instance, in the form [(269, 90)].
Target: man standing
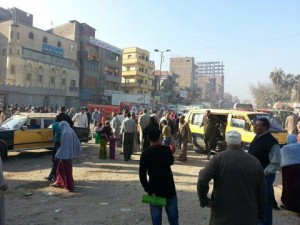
[(128, 130), (291, 124), (96, 117), (80, 119), (62, 116), (239, 194), (184, 137), (210, 132), (156, 162), (143, 121), (266, 149)]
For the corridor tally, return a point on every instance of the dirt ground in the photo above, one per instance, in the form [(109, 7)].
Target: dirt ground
[(106, 192)]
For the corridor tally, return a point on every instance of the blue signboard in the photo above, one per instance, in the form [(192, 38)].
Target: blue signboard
[(51, 50)]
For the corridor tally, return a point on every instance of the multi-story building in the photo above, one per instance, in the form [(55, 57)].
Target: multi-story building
[(210, 80), (137, 72), (168, 86), (184, 68), (100, 63), (36, 67)]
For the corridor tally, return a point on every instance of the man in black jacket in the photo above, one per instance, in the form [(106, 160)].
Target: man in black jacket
[(156, 161), (267, 150), (62, 116)]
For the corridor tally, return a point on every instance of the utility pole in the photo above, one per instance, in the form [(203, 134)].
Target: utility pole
[(161, 60)]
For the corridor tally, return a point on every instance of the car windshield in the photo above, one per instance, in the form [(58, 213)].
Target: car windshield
[(13, 122), (275, 126)]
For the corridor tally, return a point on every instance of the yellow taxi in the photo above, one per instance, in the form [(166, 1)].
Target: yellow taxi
[(25, 131), (241, 121)]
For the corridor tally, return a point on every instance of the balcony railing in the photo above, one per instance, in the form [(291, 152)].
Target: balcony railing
[(73, 88)]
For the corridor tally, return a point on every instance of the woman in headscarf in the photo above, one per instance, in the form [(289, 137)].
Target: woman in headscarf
[(70, 148), (290, 163), (104, 134)]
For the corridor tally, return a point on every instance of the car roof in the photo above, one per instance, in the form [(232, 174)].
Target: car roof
[(227, 111), (37, 115)]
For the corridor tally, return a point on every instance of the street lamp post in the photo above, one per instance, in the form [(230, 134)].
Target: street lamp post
[(161, 59)]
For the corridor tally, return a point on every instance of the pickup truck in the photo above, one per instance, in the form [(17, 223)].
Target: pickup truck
[(25, 131)]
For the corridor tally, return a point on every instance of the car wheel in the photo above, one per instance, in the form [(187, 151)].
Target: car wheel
[(3, 150)]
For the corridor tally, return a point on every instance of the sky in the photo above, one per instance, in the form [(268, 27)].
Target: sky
[(250, 37)]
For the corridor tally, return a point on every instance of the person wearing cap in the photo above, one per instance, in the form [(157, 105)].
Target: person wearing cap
[(239, 194), (267, 150)]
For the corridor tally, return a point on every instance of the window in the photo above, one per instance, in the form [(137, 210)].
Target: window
[(146, 70), (41, 70), (147, 58), (28, 76), (145, 92), (45, 40), (31, 36), (18, 52), (10, 51), (12, 69), (73, 83), (52, 81), (40, 78), (128, 68), (4, 52), (197, 119), (240, 123), (129, 56), (59, 44), (11, 35), (146, 82), (63, 81)]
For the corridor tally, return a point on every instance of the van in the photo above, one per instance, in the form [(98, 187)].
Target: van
[(231, 120)]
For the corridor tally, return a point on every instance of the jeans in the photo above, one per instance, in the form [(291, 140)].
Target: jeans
[(269, 215), (166, 141), (171, 210)]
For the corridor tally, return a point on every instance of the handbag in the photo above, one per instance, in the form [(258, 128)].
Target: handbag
[(154, 200)]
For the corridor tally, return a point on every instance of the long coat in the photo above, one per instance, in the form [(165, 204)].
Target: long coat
[(239, 193)]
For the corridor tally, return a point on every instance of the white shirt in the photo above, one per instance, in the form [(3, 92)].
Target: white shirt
[(80, 120)]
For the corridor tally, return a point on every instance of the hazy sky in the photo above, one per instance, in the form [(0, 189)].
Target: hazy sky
[(250, 37)]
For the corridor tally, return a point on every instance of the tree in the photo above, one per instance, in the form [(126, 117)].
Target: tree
[(262, 94)]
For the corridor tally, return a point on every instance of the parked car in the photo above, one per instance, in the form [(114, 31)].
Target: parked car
[(32, 131), (241, 121)]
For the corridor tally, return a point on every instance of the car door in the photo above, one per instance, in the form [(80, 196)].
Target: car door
[(237, 123), (47, 132), (195, 119), (30, 136)]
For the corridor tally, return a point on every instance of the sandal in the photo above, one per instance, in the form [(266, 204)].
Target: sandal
[(55, 185)]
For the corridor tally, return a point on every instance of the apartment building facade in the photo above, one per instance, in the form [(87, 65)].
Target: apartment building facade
[(184, 68), (36, 67), (100, 63), (210, 80), (137, 72)]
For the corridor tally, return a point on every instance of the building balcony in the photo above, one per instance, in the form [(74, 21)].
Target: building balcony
[(137, 73), (112, 78), (73, 88), (137, 85), (138, 61)]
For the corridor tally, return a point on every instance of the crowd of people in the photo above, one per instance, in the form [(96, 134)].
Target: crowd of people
[(243, 182)]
